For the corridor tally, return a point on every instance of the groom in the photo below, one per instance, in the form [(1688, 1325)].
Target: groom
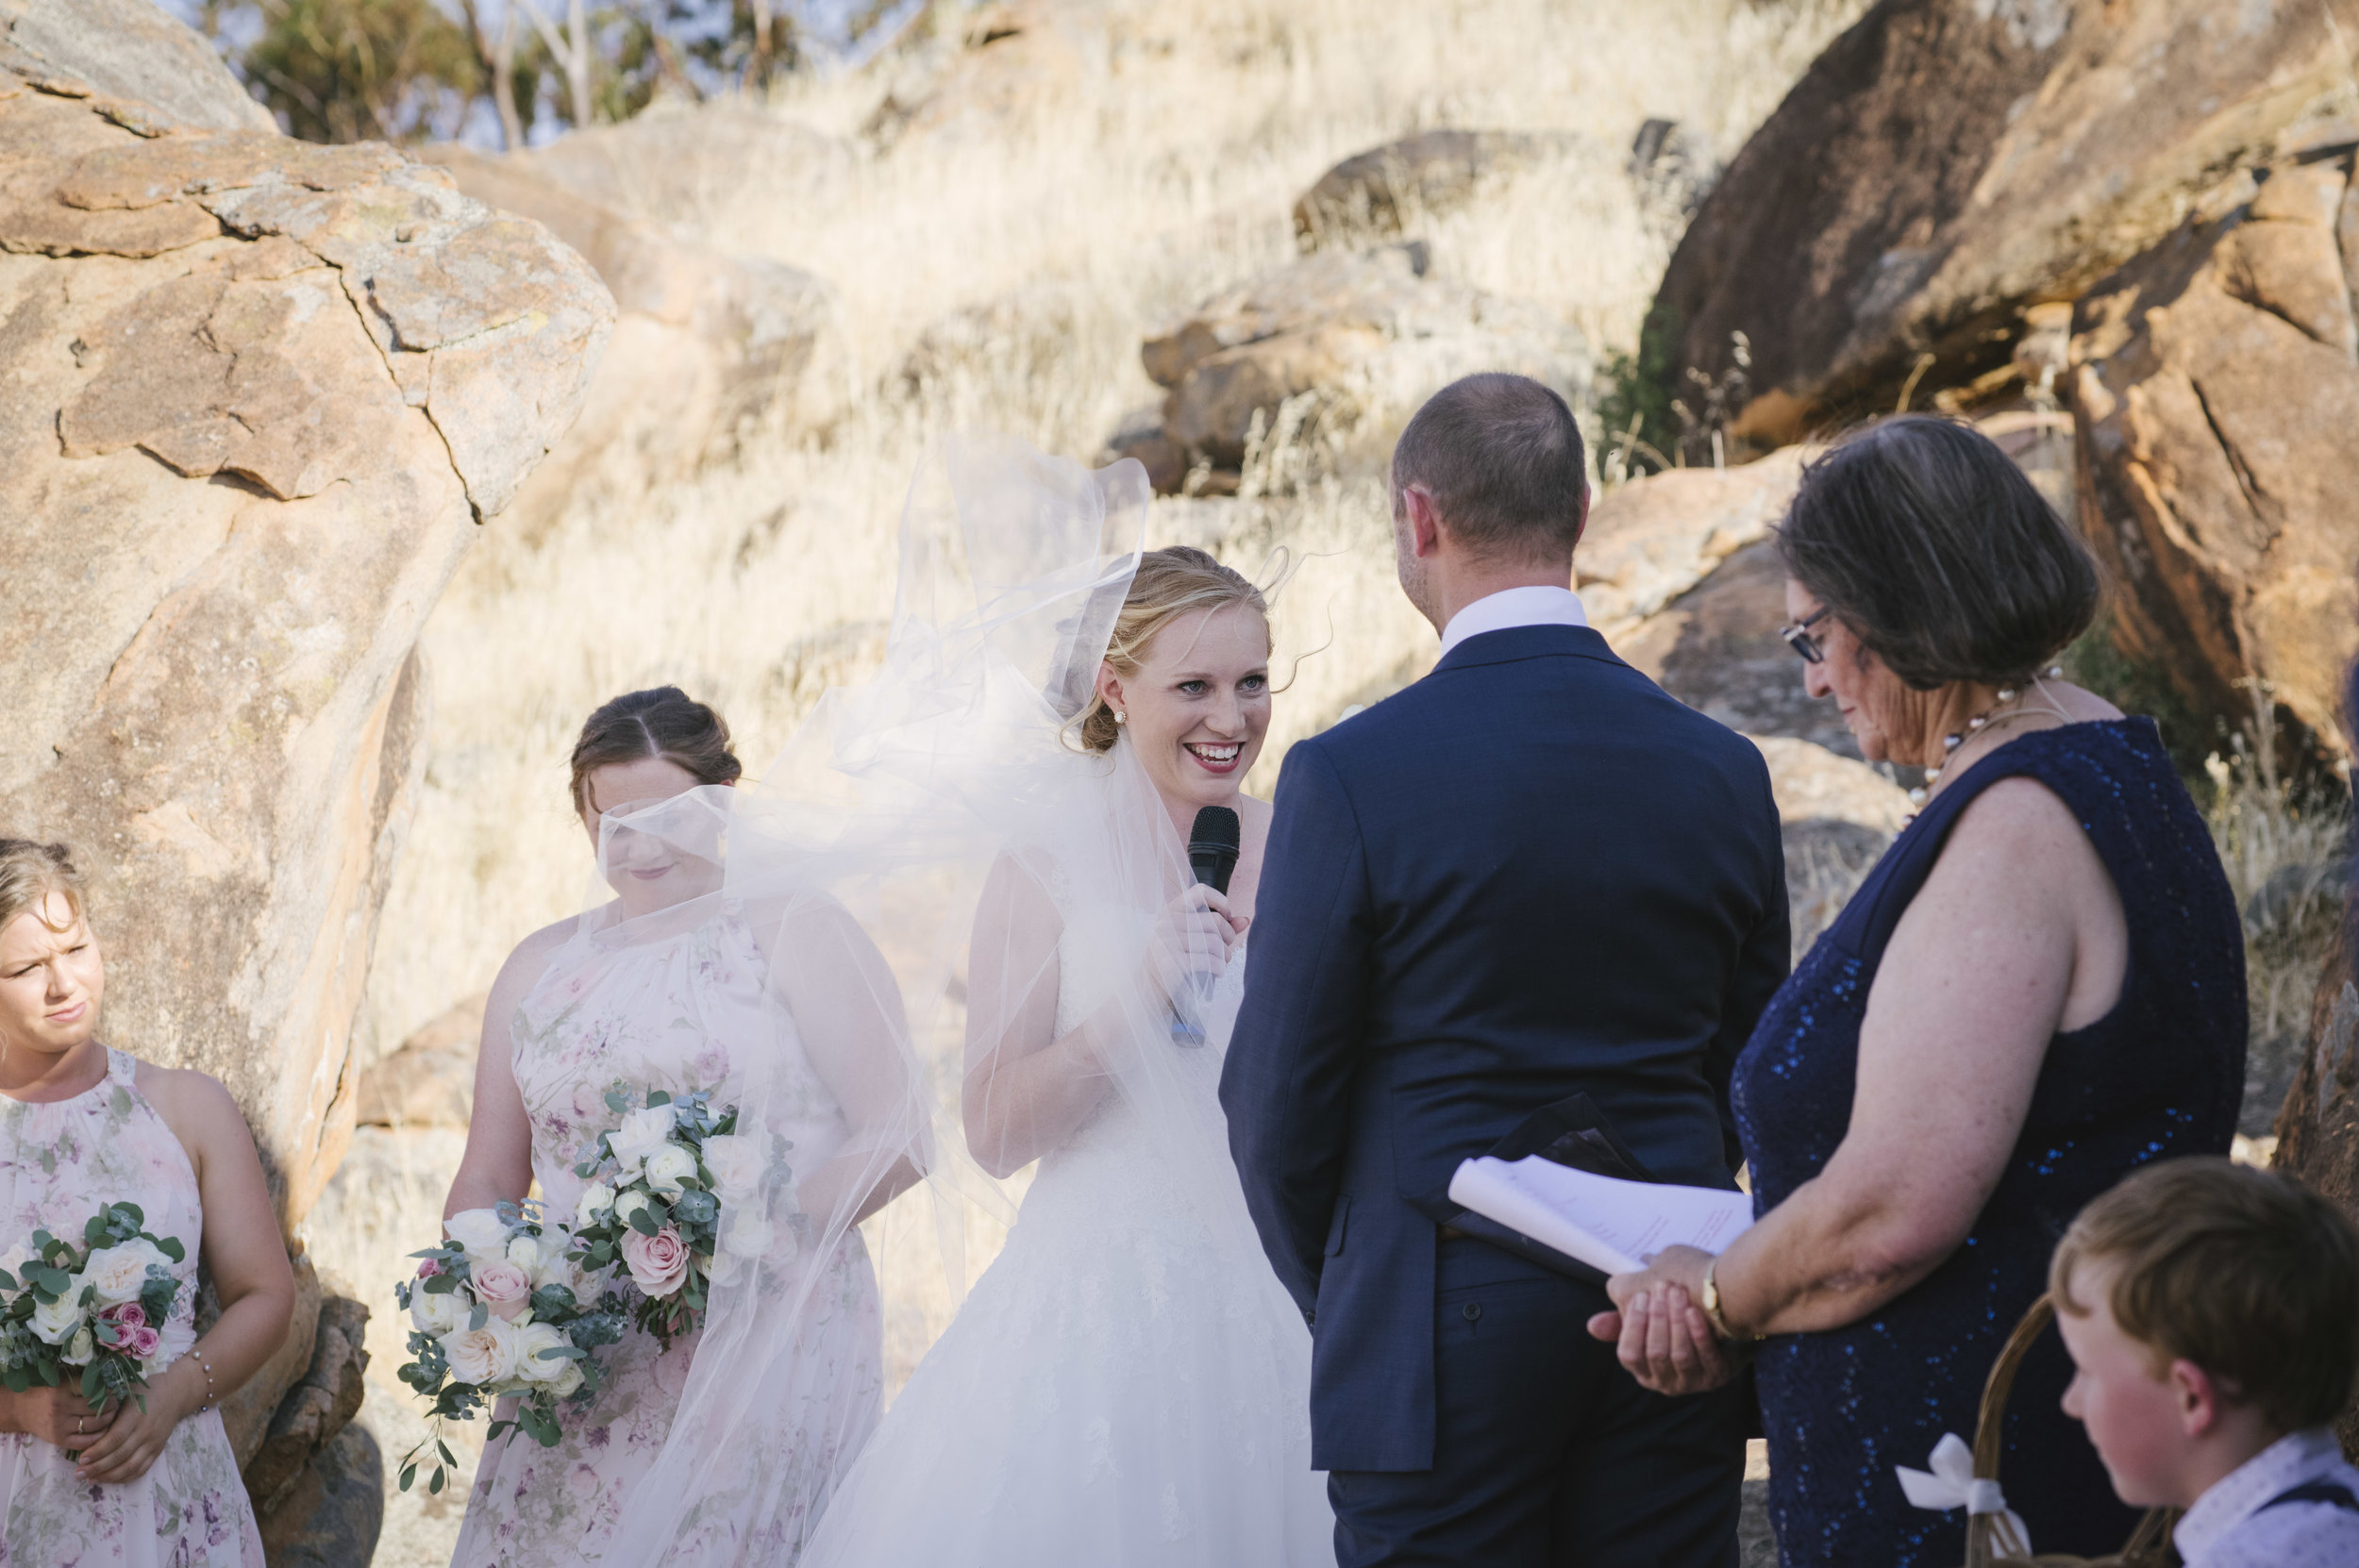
[(1529, 876)]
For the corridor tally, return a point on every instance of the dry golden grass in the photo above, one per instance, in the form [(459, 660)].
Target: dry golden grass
[(1117, 179), (1153, 166)]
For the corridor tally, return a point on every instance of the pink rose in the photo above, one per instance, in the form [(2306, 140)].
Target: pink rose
[(504, 1288), (429, 1268), (141, 1342), (124, 1315), (658, 1263)]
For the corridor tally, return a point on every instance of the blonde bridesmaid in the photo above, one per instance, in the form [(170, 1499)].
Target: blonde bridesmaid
[(83, 1126)]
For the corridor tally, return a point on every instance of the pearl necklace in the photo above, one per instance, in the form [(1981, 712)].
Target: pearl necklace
[(1952, 741)]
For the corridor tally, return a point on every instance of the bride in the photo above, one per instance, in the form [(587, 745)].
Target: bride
[(1125, 1383)]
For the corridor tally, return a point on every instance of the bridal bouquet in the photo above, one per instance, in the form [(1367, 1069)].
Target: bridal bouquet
[(495, 1311), (99, 1311), (652, 1212)]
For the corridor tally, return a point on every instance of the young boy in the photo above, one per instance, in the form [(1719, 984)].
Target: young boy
[(2212, 1313)]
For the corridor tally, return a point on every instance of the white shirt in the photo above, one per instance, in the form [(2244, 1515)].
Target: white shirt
[(1515, 607), (2229, 1526)]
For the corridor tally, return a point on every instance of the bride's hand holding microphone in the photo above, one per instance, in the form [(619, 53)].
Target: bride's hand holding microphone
[(1199, 932)]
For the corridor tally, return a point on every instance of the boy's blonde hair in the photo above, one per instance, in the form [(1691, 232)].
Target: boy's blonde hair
[(2245, 1273)]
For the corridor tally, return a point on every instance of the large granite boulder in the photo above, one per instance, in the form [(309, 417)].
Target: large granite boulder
[(1367, 325), (1378, 192), (131, 60), (258, 396), (710, 348), (1947, 163), (2216, 391)]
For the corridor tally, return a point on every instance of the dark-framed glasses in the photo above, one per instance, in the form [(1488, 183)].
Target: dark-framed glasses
[(1797, 637)]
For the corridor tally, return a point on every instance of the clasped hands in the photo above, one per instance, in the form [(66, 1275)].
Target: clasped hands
[(1662, 1335), (116, 1444)]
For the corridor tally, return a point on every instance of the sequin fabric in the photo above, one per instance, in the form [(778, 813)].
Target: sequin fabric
[(2160, 1076)]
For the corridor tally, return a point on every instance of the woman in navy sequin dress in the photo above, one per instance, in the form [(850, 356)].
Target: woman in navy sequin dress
[(2039, 989)]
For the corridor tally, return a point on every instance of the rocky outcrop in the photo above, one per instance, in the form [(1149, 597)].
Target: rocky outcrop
[(130, 62), (318, 1407), (257, 395), (1947, 162), (336, 1510), (1367, 325), (2216, 391), (429, 1081), (1432, 172), (708, 347)]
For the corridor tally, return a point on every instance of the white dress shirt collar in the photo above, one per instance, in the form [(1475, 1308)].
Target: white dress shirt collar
[(2236, 1496), (1515, 607)]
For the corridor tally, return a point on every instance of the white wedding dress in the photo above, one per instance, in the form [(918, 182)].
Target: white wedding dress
[(1127, 1386)]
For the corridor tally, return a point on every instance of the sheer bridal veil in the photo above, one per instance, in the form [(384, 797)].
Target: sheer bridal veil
[(935, 873)]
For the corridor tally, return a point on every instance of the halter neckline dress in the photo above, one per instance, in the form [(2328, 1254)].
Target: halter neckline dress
[(60, 1164)]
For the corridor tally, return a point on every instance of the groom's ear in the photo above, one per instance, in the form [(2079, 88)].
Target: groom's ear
[(1425, 523)]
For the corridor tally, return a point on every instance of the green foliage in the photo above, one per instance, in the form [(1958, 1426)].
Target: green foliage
[(406, 70), (1634, 400), (361, 70)]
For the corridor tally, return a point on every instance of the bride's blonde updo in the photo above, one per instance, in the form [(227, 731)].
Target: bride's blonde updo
[(1170, 582)]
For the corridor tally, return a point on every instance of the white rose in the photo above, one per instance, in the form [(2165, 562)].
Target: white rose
[(568, 1380), (736, 1166), (435, 1314), (627, 1204), (642, 1133), (480, 1233), (82, 1348), (53, 1322), (14, 1260), (531, 1365), (747, 1236), (121, 1272), (595, 1197), (482, 1356), (670, 1169), (529, 1252)]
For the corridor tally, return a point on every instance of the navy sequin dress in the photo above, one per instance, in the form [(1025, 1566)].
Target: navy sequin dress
[(2159, 1075)]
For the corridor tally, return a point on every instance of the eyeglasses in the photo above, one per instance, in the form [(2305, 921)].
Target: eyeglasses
[(1797, 637)]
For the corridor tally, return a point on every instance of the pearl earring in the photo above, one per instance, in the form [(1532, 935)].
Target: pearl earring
[(1120, 717)]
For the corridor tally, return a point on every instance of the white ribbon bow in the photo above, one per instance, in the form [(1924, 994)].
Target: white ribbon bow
[(1952, 1484)]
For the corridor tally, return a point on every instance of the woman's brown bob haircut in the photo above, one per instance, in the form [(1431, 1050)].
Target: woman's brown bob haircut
[(664, 722), (2245, 1273), (1937, 553)]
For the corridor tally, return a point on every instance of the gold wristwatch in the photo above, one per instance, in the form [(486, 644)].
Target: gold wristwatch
[(1709, 1299)]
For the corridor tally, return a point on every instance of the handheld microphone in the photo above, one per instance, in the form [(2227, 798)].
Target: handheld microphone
[(1213, 845)]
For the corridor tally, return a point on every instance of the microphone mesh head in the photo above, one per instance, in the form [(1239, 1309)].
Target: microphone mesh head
[(1216, 828)]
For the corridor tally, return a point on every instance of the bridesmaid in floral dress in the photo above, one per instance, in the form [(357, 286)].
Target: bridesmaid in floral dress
[(81, 1126), (673, 984)]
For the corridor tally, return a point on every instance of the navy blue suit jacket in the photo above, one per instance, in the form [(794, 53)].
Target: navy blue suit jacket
[(1530, 875)]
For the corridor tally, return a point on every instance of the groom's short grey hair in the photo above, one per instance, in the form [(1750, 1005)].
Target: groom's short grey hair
[(1501, 457)]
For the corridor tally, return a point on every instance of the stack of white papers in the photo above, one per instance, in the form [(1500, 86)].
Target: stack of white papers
[(1609, 1225)]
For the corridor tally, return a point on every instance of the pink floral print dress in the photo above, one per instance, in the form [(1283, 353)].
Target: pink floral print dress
[(671, 1012), (60, 1164)]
